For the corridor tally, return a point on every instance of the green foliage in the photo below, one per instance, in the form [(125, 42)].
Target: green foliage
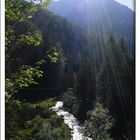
[(50, 129), (18, 10), (21, 32), (19, 29), (9, 87), (52, 54), (39, 63), (11, 119), (29, 39), (99, 123), (9, 35), (115, 85), (25, 77), (25, 121), (44, 105), (21, 10), (71, 103), (35, 121)]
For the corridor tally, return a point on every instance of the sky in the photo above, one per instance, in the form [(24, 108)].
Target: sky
[(129, 3)]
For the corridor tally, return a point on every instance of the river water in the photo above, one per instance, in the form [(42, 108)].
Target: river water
[(77, 131)]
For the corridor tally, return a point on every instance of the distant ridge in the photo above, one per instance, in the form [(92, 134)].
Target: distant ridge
[(100, 16)]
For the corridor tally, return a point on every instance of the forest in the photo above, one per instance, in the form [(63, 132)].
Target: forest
[(48, 58)]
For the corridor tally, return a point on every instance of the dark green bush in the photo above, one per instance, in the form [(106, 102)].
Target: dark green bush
[(71, 103)]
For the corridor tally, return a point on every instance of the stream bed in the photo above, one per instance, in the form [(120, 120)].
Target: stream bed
[(77, 131)]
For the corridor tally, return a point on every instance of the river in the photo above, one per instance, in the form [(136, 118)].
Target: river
[(77, 131)]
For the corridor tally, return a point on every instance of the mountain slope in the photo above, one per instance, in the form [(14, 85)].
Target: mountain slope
[(100, 16)]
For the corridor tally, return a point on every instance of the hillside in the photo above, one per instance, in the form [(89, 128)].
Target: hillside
[(100, 16)]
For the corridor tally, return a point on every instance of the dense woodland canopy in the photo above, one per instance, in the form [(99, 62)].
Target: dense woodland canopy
[(49, 58)]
